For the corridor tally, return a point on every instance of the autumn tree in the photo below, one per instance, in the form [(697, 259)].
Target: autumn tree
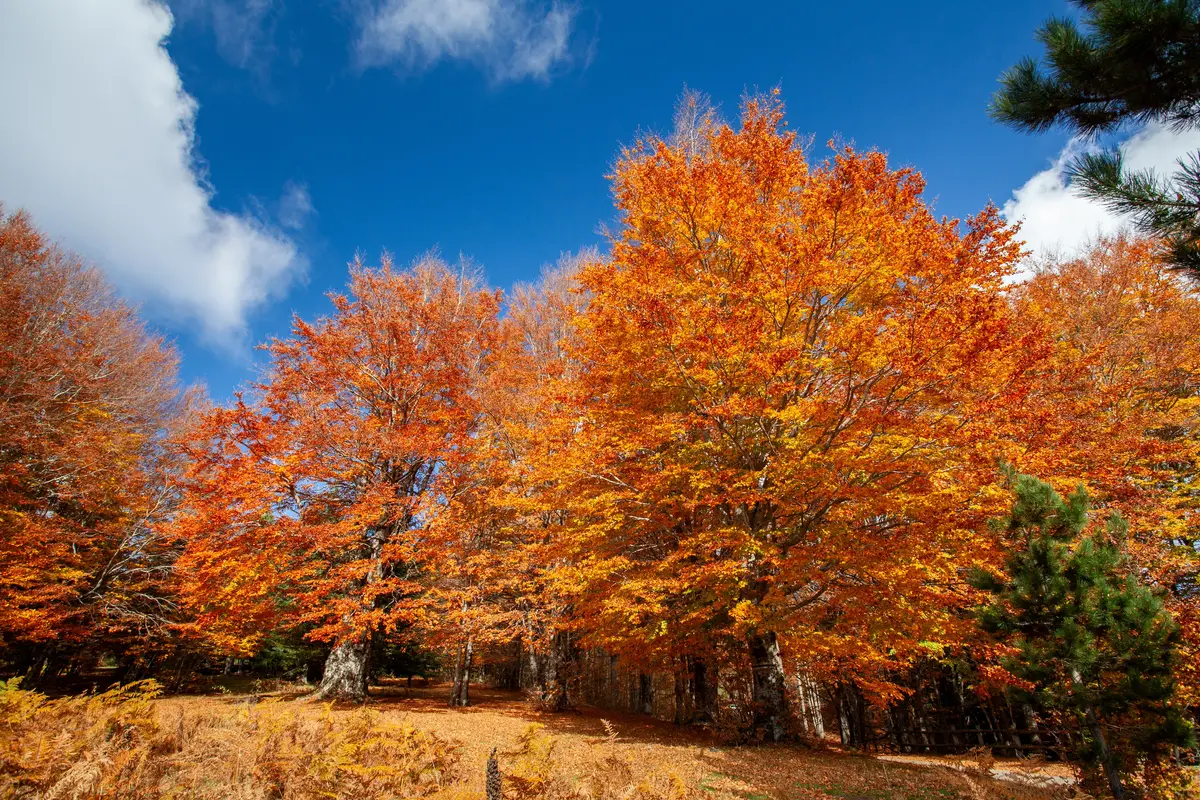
[(781, 418), (88, 398), (312, 500), (1089, 639), (530, 422), (1114, 403)]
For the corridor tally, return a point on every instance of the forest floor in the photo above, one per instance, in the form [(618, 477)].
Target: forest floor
[(587, 740)]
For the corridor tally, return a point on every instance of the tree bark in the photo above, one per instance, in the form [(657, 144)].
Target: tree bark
[(461, 694), (704, 692), (851, 721), (769, 699), (347, 670), (680, 684), (553, 686), (535, 668), (645, 694), (1106, 757), (811, 712)]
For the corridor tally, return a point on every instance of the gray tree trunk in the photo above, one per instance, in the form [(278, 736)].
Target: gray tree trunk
[(461, 694), (555, 666), (347, 670), (811, 710), (770, 701), (645, 694)]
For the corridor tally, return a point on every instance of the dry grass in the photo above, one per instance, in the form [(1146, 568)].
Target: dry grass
[(133, 744)]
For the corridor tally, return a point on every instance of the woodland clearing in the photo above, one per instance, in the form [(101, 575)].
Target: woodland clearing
[(588, 745)]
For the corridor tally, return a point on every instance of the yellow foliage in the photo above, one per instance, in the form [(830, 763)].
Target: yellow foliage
[(113, 745), (530, 774), (117, 744)]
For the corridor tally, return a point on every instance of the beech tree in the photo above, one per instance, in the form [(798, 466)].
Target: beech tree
[(787, 374), (535, 421), (88, 398), (314, 504), (1113, 402)]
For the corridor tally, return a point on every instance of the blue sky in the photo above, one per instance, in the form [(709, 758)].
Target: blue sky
[(318, 129)]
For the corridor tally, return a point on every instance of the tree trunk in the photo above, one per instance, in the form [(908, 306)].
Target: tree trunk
[(811, 711), (461, 694), (770, 703), (681, 714), (347, 670), (553, 686), (704, 692), (851, 719), (348, 667), (1105, 755), (535, 668), (645, 694)]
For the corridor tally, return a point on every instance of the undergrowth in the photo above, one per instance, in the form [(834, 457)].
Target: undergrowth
[(116, 745)]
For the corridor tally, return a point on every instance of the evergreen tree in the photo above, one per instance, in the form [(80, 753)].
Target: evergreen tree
[(1139, 62), (1091, 640)]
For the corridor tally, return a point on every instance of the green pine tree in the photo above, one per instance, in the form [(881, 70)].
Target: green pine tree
[(1138, 61), (1095, 644)]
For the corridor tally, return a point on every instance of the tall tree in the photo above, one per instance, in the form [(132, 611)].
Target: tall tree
[(88, 397), (536, 420), (1138, 61), (312, 504), (777, 445), (1115, 401), (1090, 638)]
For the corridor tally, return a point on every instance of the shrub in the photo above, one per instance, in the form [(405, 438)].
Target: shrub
[(113, 745), (120, 745)]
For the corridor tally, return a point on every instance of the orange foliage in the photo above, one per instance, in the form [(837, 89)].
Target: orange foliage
[(760, 433), (88, 397), (309, 506), (784, 412), (1115, 406), (763, 429)]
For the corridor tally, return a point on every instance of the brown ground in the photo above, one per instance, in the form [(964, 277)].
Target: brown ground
[(786, 772)]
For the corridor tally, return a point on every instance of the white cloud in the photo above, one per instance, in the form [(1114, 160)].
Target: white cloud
[(1055, 219), (510, 39), (295, 206), (97, 143), (244, 29)]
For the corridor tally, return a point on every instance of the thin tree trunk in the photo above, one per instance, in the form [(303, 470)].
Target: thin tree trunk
[(457, 687), (770, 704), (464, 694), (535, 668), (614, 685), (1106, 757), (680, 715), (810, 706)]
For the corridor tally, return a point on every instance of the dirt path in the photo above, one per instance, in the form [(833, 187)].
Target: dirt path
[(583, 745)]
